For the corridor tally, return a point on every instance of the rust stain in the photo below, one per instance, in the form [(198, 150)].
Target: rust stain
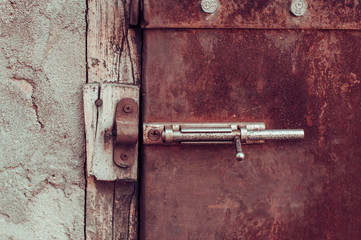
[(354, 81), (108, 136), (228, 203)]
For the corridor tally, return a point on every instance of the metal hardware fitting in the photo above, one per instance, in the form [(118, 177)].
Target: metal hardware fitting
[(203, 133), (298, 7), (209, 6), (126, 123), (98, 102)]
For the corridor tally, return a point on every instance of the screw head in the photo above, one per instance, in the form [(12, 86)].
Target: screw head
[(209, 6), (298, 7), (127, 108), (98, 102), (124, 156), (153, 135)]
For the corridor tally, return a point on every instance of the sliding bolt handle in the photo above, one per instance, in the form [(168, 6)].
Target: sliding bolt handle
[(239, 155)]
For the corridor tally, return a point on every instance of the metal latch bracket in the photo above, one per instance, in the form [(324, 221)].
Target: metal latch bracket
[(126, 124)]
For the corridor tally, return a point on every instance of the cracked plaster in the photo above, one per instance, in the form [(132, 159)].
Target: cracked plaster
[(42, 70)]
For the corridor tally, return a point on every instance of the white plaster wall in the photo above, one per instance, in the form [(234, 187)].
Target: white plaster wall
[(42, 71)]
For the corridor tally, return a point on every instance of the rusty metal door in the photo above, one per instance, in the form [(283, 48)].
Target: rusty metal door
[(253, 61)]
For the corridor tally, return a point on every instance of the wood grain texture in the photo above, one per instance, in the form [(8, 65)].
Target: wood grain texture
[(125, 214), (99, 209), (90, 95), (113, 55), (113, 50)]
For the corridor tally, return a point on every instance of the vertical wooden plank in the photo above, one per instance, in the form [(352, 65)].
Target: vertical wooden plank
[(113, 49), (113, 55), (125, 214), (99, 209)]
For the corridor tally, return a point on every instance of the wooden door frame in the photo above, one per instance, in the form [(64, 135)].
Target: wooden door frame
[(113, 55)]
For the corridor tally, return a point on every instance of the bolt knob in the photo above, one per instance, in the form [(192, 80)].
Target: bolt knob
[(239, 153), (240, 156)]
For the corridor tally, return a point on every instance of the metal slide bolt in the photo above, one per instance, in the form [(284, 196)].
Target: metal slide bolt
[(203, 133)]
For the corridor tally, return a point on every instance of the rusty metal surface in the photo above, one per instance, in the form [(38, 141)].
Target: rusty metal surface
[(323, 14), (127, 123), (283, 190)]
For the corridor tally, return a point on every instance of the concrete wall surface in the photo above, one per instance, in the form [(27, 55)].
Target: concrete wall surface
[(42, 71)]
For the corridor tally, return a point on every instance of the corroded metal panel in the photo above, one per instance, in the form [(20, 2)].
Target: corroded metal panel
[(307, 189), (321, 14)]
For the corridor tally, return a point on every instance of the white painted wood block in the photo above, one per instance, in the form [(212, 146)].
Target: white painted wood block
[(99, 122)]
